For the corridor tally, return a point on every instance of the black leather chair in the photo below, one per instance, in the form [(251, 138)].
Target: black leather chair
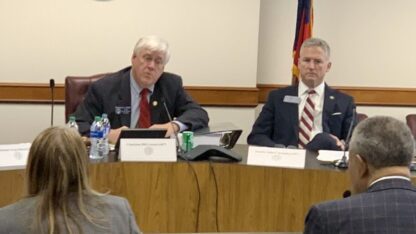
[(75, 89)]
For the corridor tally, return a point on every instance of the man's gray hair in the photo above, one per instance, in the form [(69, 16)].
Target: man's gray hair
[(153, 43), (383, 142), (313, 42)]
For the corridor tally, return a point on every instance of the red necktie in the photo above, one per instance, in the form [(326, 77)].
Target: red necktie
[(306, 121), (144, 119)]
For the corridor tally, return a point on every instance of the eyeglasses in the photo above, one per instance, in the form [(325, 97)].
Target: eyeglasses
[(158, 61)]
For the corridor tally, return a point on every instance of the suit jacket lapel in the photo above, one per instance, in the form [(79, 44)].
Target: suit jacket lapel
[(124, 99), (329, 106), (293, 112), (157, 110)]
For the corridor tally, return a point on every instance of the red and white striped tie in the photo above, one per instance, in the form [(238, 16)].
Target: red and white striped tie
[(306, 121), (144, 118)]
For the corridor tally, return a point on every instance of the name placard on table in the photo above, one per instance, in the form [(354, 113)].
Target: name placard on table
[(148, 150), (14, 156), (276, 157)]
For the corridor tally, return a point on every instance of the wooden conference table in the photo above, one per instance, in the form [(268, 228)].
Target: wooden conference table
[(209, 196)]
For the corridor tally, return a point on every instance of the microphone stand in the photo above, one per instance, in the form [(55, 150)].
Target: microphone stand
[(52, 87), (343, 162), (179, 150)]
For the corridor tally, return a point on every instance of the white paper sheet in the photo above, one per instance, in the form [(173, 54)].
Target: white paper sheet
[(276, 157), (14, 156), (330, 155)]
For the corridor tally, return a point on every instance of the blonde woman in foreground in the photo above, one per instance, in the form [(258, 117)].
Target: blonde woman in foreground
[(59, 198)]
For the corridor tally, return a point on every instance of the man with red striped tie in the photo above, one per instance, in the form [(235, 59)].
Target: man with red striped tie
[(142, 95), (295, 115)]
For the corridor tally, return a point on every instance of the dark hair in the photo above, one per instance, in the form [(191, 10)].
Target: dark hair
[(383, 141)]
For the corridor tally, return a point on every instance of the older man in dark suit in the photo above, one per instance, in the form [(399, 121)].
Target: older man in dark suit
[(383, 200), (294, 115), (135, 97)]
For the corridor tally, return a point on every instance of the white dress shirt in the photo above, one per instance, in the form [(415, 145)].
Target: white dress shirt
[(318, 100)]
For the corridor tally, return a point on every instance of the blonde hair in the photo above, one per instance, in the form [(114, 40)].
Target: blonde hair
[(56, 168)]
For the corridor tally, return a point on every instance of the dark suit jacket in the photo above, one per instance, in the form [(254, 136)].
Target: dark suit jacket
[(389, 206), (113, 91), (18, 218), (278, 122)]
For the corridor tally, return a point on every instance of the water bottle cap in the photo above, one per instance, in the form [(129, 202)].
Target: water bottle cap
[(72, 118), (104, 115), (97, 118)]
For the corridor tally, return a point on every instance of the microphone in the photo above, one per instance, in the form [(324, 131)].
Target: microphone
[(346, 193), (52, 87), (343, 163), (178, 147)]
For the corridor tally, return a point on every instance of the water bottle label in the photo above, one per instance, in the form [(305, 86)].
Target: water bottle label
[(106, 131), (96, 134)]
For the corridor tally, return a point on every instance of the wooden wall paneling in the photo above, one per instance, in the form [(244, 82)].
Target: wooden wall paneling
[(220, 96), (224, 96), (30, 93), (365, 96)]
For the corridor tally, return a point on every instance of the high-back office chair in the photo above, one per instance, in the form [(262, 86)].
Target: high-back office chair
[(361, 117), (411, 122), (75, 89)]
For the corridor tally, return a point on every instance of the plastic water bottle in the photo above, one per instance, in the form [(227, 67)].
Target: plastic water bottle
[(72, 123), (106, 128), (96, 137)]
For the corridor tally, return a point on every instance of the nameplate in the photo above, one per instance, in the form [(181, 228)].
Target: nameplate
[(147, 150), (14, 156), (291, 99), (276, 157)]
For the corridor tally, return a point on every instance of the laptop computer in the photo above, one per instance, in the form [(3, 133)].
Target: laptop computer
[(140, 133)]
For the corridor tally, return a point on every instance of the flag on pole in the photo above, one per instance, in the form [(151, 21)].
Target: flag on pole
[(304, 25)]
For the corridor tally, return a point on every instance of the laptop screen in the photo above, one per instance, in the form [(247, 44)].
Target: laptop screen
[(140, 133)]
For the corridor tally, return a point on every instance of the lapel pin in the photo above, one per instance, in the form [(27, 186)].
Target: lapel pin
[(118, 110), (154, 103), (331, 97)]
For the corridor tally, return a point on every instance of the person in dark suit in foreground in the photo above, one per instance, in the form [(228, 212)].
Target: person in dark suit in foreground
[(59, 198), (294, 115), (383, 199), (120, 95)]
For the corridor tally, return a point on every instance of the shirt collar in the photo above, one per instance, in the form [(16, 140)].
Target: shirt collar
[(135, 86), (388, 178), (303, 89)]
